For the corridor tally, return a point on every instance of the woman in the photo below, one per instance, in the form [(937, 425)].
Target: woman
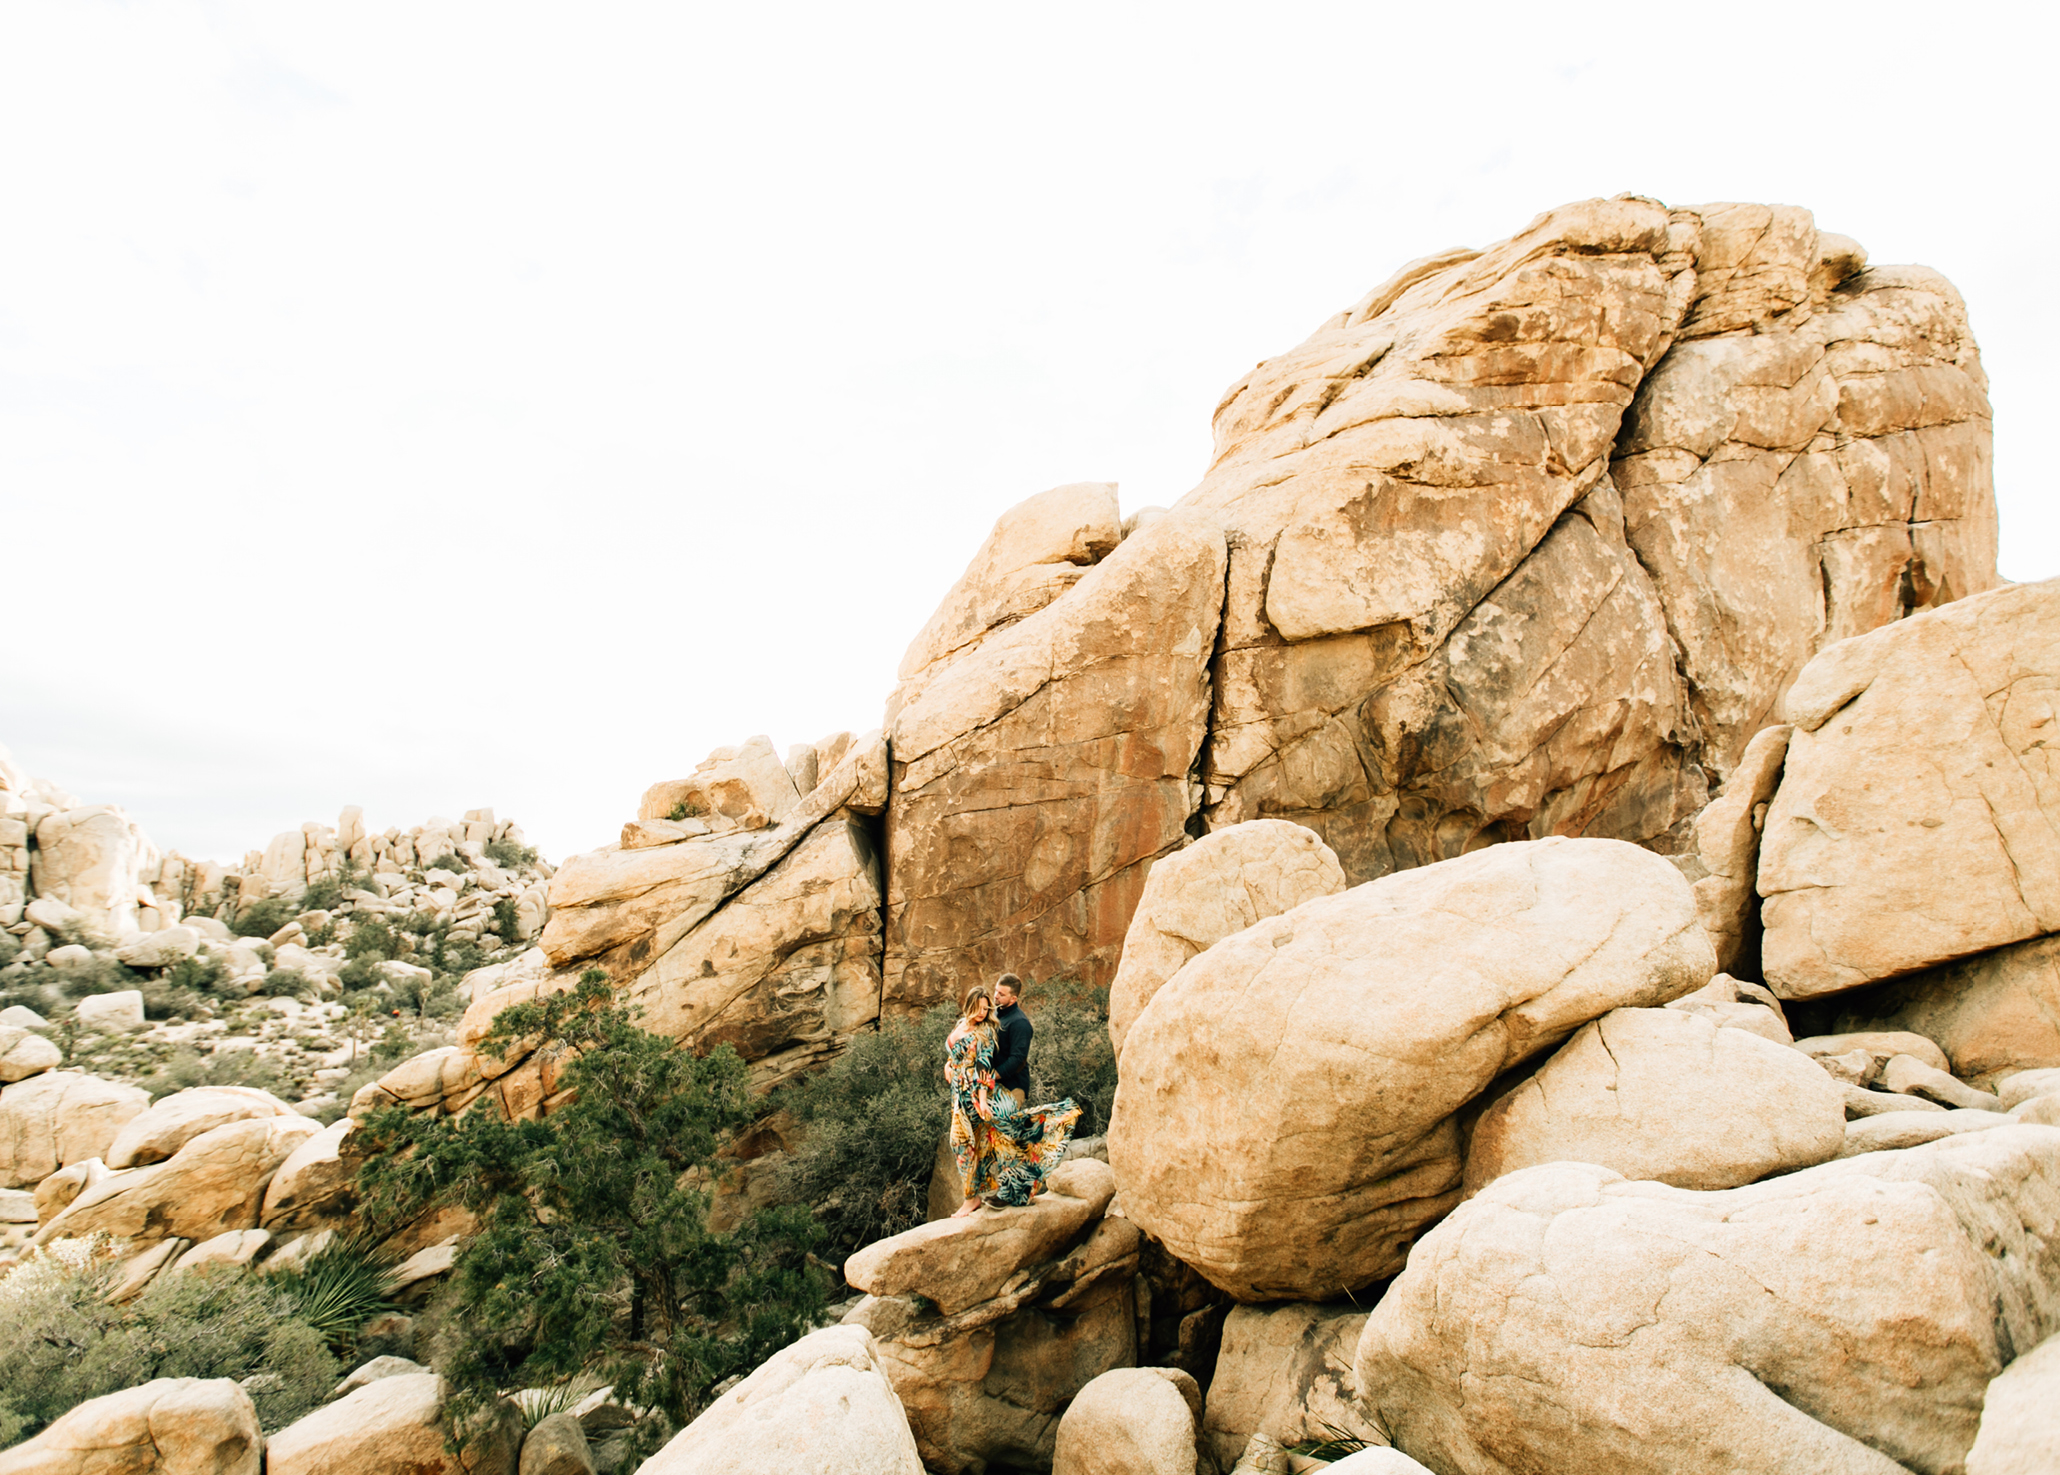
[(1001, 1152)]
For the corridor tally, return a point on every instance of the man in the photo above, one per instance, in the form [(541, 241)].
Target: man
[(1012, 1033)]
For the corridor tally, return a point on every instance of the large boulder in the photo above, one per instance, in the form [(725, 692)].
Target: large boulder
[(1666, 1095), (172, 1121), (1475, 517), (168, 1426), (1036, 777), (820, 1407), (213, 1184), (60, 1117), (740, 788), (2020, 1417), (394, 1424), (1285, 1121), (1918, 818), (91, 858), (1285, 1372), (24, 1053), (313, 1184), (1993, 1014), (1129, 1421), (1568, 1318), (1196, 897)]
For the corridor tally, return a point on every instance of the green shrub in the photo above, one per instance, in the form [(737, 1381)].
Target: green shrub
[(101, 976), (202, 973), (263, 918), (1070, 1053), (322, 896), (875, 1118), (593, 1258), (61, 1343), (186, 1068), (509, 856), (377, 939), (505, 923), (10, 948), (288, 983)]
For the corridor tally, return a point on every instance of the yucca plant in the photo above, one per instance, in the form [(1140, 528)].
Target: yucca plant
[(538, 1404), (342, 1286), (1334, 1444)]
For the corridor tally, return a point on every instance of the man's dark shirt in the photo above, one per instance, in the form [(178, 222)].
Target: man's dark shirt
[(1012, 1048)]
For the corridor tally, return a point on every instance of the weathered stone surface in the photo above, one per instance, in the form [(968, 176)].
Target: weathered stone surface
[(2020, 1417), (371, 1372), (24, 1054), (1918, 818), (1128, 1421), (1861, 1102), (1993, 1014), (1819, 476), (556, 1446), (1879, 1046), (215, 1183), (1664, 1095), (1285, 1118), (120, 1012), (820, 1407), (2026, 1085), (1196, 897), (959, 1263), (1738, 1004), (1569, 1319), (90, 858), (133, 1275), (312, 1183), (237, 1247), (60, 1117), (1038, 550), (788, 969), (17, 1206), (1727, 851), (392, 1424), (1892, 1131), (1285, 1372), (742, 788), (1910, 1076), (172, 1121), (1402, 687), (159, 949), (168, 1426), (1036, 776)]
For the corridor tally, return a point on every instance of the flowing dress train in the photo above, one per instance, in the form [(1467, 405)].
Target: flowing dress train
[(1001, 1152)]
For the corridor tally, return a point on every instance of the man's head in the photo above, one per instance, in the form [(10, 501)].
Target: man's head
[(1007, 990)]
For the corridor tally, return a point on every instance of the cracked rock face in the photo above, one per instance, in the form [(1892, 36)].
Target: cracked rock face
[(1569, 1319), (1994, 1015), (1918, 818), (1531, 540), (1036, 776), (1286, 1118)]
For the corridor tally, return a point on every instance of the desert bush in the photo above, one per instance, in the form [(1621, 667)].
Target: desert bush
[(1070, 1053), (322, 895), (375, 939), (505, 923), (341, 1286), (509, 856), (874, 1118), (61, 1343), (288, 983), (10, 948), (101, 976), (186, 1068), (263, 918), (594, 1259)]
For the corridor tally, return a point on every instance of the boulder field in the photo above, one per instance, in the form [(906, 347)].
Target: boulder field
[(1565, 811)]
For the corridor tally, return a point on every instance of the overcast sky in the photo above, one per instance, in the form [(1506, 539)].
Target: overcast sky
[(436, 405)]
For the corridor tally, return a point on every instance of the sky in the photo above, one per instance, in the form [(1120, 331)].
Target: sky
[(431, 406)]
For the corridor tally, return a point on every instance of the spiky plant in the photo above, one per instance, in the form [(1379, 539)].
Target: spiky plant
[(538, 1404), (341, 1286)]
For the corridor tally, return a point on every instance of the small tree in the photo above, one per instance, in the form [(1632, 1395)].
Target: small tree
[(596, 1256)]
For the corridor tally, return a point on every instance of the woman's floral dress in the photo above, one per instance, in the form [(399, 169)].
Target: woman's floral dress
[(1002, 1153)]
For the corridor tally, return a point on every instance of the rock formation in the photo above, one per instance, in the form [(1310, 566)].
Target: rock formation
[(1286, 1120), (168, 1426), (1664, 1330)]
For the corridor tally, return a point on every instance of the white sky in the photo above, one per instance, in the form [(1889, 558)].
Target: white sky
[(434, 405)]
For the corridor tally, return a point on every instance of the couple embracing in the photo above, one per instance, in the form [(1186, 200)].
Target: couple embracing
[(1003, 1149)]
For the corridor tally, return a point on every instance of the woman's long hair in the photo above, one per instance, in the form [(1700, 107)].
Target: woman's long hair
[(977, 993)]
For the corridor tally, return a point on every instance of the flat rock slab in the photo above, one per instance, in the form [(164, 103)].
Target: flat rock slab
[(958, 1263)]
